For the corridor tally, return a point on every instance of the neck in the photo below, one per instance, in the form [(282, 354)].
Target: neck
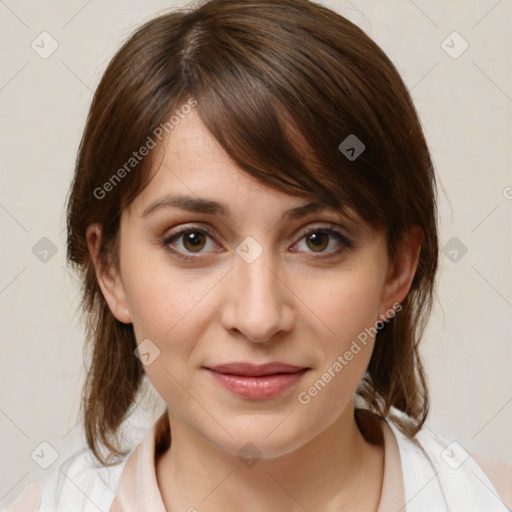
[(337, 470)]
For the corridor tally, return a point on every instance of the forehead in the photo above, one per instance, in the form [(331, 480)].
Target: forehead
[(191, 171), (191, 163)]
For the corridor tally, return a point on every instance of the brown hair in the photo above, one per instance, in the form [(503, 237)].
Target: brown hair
[(279, 84)]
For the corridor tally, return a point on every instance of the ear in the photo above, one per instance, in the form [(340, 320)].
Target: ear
[(403, 269), (108, 277)]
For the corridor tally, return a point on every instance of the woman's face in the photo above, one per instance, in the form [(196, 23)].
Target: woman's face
[(248, 281)]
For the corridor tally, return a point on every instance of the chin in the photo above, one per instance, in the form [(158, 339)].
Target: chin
[(265, 437)]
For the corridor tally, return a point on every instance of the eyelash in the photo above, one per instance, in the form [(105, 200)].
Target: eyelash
[(167, 241)]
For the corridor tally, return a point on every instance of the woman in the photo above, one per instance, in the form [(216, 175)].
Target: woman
[(253, 216)]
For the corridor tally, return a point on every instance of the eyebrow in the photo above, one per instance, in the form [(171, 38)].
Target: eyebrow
[(202, 205)]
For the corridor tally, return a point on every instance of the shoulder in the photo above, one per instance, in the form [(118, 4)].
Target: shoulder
[(80, 483), (28, 500), (499, 473), (438, 470)]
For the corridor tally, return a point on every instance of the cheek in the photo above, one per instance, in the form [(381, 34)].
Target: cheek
[(159, 296), (169, 307), (351, 314), (166, 310), (348, 304)]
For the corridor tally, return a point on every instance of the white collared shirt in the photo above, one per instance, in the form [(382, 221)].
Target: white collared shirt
[(425, 474)]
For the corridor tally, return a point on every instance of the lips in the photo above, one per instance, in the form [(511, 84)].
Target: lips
[(251, 370), (257, 382)]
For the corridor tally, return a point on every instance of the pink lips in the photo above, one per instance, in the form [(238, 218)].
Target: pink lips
[(257, 382)]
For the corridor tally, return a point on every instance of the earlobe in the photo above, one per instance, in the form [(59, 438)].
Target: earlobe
[(108, 277), (403, 269)]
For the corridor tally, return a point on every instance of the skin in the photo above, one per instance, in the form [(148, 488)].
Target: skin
[(296, 303)]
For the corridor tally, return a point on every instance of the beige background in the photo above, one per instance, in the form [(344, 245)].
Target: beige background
[(465, 104)]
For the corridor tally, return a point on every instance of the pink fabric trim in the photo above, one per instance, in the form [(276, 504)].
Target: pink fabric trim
[(29, 500)]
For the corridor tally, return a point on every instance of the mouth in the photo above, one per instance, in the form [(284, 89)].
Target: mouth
[(257, 382), (251, 370)]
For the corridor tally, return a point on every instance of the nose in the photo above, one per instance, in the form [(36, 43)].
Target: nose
[(258, 303)]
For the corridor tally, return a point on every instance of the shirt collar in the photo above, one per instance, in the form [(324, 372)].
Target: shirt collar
[(138, 491)]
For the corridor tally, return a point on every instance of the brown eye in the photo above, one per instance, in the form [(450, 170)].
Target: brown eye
[(323, 241), (194, 241), (317, 241), (190, 240)]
